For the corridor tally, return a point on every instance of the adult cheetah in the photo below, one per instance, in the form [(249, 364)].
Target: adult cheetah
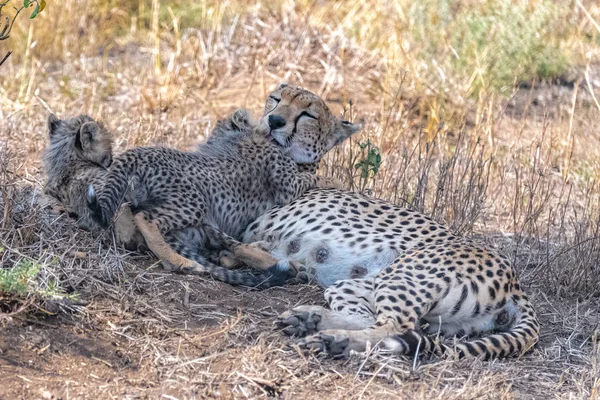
[(227, 182), (412, 275)]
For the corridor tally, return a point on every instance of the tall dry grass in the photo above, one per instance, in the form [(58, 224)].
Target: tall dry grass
[(485, 113)]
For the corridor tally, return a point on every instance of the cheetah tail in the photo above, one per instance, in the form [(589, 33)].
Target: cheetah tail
[(276, 275), (520, 339)]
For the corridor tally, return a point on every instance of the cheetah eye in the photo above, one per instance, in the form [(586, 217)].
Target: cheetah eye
[(306, 114), (271, 104)]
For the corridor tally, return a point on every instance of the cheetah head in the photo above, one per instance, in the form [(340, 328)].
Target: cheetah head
[(89, 138), (300, 122)]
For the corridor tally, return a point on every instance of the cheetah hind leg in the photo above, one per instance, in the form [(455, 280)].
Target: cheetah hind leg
[(126, 231), (254, 255), (171, 260)]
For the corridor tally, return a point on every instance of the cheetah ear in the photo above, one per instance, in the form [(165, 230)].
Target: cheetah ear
[(343, 130), (88, 133), (242, 120), (53, 123), (281, 86)]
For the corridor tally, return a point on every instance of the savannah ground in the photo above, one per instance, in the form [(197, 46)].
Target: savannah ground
[(485, 115)]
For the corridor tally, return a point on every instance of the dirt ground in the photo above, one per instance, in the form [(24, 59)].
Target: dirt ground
[(152, 334)]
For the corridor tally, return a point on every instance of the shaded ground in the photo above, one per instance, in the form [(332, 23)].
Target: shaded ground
[(151, 334)]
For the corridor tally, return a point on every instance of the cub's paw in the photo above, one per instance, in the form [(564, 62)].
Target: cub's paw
[(300, 274), (228, 260), (261, 245), (328, 182)]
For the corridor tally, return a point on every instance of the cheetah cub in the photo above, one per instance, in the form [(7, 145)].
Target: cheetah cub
[(78, 148), (71, 167), (227, 182)]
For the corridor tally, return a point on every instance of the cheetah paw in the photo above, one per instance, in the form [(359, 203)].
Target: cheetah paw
[(298, 323), (299, 273), (334, 345), (328, 182), (262, 245), (228, 260)]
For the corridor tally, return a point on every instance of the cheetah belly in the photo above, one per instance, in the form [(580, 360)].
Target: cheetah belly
[(328, 261)]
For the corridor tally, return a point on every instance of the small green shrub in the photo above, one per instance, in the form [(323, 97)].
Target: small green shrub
[(22, 281), (19, 280), (369, 162)]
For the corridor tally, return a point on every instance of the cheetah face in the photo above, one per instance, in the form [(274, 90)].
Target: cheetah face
[(300, 122), (91, 140)]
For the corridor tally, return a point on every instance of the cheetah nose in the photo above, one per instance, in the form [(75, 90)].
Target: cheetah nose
[(275, 122)]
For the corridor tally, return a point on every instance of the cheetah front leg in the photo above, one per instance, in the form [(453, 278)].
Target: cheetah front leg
[(397, 315), (339, 342), (351, 307)]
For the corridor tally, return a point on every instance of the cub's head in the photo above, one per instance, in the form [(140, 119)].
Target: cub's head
[(300, 122), (84, 136)]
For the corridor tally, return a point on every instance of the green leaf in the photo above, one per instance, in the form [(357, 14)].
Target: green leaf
[(26, 3), (35, 12)]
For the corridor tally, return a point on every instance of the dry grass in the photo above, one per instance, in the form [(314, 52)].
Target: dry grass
[(505, 149)]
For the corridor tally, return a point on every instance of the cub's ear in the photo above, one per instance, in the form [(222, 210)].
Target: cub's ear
[(281, 86), (53, 123), (242, 120), (88, 134), (343, 130)]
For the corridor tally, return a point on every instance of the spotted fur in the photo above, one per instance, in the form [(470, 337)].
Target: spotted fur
[(228, 181), (429, 293), (403, 276), (71, 168)]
